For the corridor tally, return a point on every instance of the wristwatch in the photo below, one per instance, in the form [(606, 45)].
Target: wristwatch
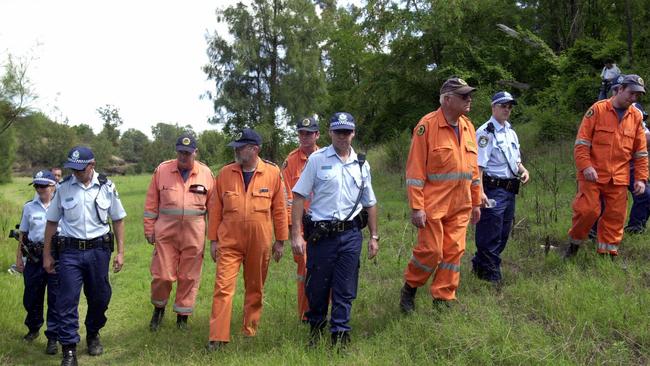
[(376, 237)]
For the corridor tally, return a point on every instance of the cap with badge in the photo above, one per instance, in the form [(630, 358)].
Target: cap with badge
[(617, 82), (79, 157), (457, 86), (43, 178), (308, 124), (342, 121), (634, 83), (503, 97), (246, 137), (186, 142)]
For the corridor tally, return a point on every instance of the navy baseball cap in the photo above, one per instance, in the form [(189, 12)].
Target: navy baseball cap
[(308, 124), (342, 121), (634, 83), (246, 137), (44, 178), (503, 97), (79, 157), (186, 142)]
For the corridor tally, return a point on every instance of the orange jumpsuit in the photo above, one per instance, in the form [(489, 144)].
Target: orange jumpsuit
[(608, 146), (243, 223), (291, 169), (174, 211), (442, 178)]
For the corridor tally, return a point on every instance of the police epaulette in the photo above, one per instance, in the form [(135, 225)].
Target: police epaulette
[(102, 178), (28, 201), (67, 178), (270, 162)]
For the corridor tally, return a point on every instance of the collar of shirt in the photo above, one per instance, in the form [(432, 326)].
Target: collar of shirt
[(261, 167), (329, 152), (498, 126), (93, 181)]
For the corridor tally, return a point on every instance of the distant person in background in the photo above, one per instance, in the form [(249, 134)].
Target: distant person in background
[(58, 174), (175, 222), (499, 160), (608, 75), (610, 136), (31, 239)]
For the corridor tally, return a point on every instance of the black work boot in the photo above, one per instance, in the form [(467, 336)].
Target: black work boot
[(341, 339), (51, 348), (407, 298), (156, 318), (95, 348), (213, 346), (69, 355), (30, 336), (315, 334), (181, 321), (571, 251)]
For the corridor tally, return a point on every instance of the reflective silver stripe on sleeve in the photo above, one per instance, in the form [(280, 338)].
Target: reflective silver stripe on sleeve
[(450, 176), (289, 202), (449, 266), (640, 154), (178, 309), (182, 212), (150, 215), (414, 182), (300, 278), (476, 182), (608, 247), (583, 142), (420, 265), (159, 303)]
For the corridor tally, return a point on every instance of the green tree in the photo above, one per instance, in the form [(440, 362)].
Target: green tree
[(110, 114), (164, 141), (133, 144)]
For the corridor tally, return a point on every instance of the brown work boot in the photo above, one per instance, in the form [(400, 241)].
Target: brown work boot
[(407, 298)]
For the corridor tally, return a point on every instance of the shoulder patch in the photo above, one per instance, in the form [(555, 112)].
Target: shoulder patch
[(483, 141), (270, 162), (420, 130), (589, 113)]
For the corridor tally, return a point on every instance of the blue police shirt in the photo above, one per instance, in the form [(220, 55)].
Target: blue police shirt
[(334, 185), (34, 219), (74, 205), (494, 148)]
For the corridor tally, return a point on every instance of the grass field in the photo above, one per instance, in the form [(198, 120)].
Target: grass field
[(588, 311)]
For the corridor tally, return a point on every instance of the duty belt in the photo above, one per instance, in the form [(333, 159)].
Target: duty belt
[(84, 244), (337, 226), (510, 185)]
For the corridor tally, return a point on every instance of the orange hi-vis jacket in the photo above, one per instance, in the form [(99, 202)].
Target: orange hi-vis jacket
[(609, 145), (263, 202), (438, 164), (292, 167), (169, 197)]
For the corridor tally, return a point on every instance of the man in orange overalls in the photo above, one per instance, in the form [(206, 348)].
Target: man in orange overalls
[(610, 136), (308, 134), (247, 209), (444, 189), (174, 221)]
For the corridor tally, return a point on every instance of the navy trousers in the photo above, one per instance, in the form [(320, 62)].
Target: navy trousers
[(492, 233), (333, 267), (90, 269), (36, 282)]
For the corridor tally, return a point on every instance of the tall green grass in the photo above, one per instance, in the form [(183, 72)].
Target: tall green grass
[(588, 311)]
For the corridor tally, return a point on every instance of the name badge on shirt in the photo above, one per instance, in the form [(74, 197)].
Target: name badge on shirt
[(262, 190), (326, 167), (69, 199), (198, 188)]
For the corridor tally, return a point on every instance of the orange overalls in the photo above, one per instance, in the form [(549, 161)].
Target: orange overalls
[(243, 223), (442, 178), (607, 145), (291, 169), (174, 211)]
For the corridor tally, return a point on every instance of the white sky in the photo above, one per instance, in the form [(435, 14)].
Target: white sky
[(143, 56)]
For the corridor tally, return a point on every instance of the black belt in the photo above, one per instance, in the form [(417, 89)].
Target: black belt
[(81, 244), (337, 226), (510, 185)]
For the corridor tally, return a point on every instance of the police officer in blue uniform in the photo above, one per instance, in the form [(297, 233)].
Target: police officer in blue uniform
[(31, 234), (338, 182), (85, 203), (499, 160)]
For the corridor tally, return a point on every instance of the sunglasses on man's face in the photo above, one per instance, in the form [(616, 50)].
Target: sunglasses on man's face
[(40, 186), (464, 96), (506, 106)]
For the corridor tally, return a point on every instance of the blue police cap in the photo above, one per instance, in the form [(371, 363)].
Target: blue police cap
[(44, 178), (186, 142), (246, 137), (308, 124), (79, 157), (503, 97), (342, 121), (634, 83)]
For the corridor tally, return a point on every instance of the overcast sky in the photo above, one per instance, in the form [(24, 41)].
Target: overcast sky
[(143, 56)]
